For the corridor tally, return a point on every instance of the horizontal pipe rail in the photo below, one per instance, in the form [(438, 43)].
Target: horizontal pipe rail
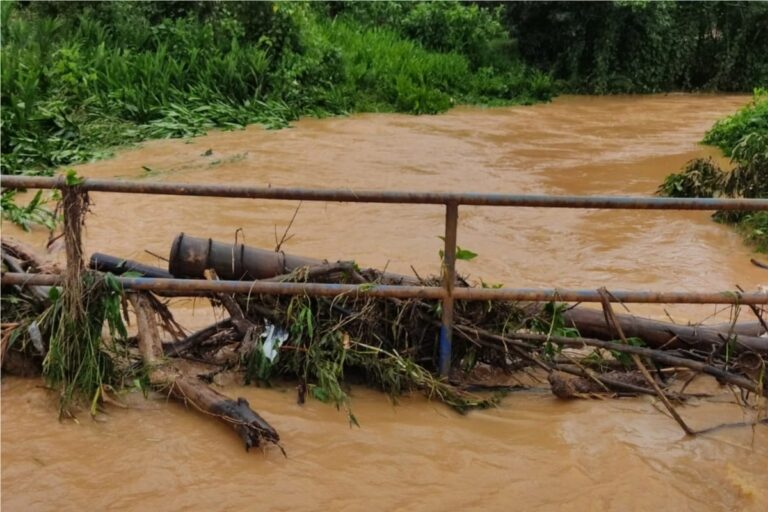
[(419, 292), (373, 196)]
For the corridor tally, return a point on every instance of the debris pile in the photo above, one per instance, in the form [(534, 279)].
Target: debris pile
[(324, 344)]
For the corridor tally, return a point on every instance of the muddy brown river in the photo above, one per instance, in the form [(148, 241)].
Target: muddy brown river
[(532, 452)]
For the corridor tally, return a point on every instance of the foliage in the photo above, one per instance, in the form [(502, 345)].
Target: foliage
[(639, 46), (387, 344), (77, 361), (79, 77), (552, 323), (699, 178), (34, 212), (748, 178), (444, 26), (726, 133), (754, 228)]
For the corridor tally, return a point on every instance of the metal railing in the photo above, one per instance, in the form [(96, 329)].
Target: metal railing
[(447, 293)]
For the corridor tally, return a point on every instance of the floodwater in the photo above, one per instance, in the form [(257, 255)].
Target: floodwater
[(533, 451)]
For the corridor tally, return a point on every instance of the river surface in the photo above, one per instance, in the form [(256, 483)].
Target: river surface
[(533, 451)]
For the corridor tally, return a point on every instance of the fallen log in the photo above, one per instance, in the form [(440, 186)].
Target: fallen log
[(751, 328), (655, 355), (252, 428), (591, 323)]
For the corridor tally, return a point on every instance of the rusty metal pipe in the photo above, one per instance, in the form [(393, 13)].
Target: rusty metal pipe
[(192, 256), (374, 196), (421, 292)]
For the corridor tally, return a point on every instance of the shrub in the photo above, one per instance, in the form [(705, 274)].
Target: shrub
[(726, 133)]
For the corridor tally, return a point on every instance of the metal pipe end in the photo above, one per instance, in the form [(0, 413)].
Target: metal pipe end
[(173, 263)]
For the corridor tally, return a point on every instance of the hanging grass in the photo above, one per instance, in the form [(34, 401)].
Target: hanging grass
[(77, 363)]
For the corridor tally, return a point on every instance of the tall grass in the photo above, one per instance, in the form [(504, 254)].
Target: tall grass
[(80, 78)]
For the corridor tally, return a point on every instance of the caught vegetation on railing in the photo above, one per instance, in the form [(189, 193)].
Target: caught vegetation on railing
[(326, 345)]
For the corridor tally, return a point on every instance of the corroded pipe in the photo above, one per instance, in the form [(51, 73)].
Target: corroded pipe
[(192, 256), (420, 292), (376, 196)]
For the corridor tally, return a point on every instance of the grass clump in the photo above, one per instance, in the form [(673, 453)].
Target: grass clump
[(78, 362)]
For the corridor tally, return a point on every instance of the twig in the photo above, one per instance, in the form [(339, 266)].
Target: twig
[(162, 258), (610, 315), (756, 312), (283, 239)]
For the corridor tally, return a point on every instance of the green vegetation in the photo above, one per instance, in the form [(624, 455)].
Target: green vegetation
[(34, 212), (749, 176), (80, 77), (753, 118), (78, 362), (639, 46)]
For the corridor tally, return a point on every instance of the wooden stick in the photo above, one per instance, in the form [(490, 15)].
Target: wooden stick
[(252, 428), (656, 355), (610, 318)]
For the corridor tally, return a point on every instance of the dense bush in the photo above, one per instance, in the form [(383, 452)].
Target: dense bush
[(637, 46), (79, 76), (753, 118)]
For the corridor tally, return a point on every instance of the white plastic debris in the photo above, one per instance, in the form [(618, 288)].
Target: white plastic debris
[(274, 337), (37, 337)]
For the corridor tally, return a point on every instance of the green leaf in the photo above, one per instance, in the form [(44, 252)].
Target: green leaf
[(71, 178), (320, 394), (112, 282), (465, 254)]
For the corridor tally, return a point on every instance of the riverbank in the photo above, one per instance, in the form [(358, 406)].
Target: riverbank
[(744, 137), (80, 79)]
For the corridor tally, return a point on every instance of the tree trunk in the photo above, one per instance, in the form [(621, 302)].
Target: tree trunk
[(591, 324)]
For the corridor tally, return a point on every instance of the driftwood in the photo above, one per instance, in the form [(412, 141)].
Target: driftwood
[(32, 261), (19, 257), (394, 338), (578, 383), (252, 428), (591, 323), (655, 355), (179, 347)]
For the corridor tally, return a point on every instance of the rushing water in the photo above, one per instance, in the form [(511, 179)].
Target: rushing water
[(531, 452)]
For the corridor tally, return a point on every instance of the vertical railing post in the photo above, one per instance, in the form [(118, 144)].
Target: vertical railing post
[(449, 278)]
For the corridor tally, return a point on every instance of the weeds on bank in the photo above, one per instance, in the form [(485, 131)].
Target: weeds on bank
[(748, 178)]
